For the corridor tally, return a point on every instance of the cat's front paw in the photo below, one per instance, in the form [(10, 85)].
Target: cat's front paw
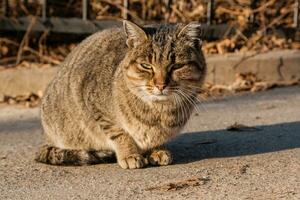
[(160, 157), (133, 161)]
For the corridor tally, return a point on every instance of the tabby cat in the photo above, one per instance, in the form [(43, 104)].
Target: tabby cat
[(122, 94)]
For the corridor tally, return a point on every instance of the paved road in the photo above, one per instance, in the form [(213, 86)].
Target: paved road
[(210, 162)]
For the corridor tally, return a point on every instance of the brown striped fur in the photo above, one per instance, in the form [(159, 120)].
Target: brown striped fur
[(124, 91)]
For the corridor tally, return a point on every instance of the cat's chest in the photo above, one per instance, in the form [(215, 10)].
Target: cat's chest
[(150, 126), (149, 136)]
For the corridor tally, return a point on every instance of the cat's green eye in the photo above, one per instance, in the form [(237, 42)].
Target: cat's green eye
[(146, 66)]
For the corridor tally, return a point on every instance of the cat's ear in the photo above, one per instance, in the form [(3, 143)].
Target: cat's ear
[(135, 34), (192, 33)]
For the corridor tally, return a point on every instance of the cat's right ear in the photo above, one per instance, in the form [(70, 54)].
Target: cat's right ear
[(135, 34)]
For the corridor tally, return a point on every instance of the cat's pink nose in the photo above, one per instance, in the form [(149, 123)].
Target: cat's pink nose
[(161, 87)]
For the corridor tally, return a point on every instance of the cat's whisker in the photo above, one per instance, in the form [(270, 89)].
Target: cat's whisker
[(199, 89), (205, 90), (187, 99), (181, 109), (192, 94), (184, 104), (210, 98), (197, 103), (177, 113), (189, 96), (187, 103), (195, 99)]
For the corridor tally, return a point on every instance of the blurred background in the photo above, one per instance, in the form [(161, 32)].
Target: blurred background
[(242, 142), (40, 33)]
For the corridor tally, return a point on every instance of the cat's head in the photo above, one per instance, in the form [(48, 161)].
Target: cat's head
[(163, 62)]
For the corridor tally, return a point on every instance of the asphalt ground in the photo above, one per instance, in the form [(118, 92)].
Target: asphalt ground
[(260, 161)]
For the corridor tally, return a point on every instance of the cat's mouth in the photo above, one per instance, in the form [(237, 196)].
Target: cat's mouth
[(155, 95), (160, 98)]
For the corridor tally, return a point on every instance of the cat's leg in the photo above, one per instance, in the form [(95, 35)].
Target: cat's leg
[(128, 154), (159, 156), (56, 156)]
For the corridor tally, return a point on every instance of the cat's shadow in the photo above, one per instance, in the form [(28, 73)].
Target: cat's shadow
[(191, 147), (196, 146)]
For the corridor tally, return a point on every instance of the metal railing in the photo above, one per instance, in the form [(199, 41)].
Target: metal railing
[(85, 25)]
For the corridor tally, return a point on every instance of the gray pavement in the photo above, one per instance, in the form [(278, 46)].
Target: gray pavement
[(210, 162)]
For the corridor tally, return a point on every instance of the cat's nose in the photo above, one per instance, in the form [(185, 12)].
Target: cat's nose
[(161, 87)]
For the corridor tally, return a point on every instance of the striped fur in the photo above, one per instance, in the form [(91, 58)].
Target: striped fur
[(126, 91), (56, 156)]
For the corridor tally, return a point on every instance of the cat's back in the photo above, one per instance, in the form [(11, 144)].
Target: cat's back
[(100, 50), (87, 72)]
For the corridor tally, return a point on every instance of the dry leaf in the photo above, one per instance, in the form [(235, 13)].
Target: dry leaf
[(241, 127), (173, 186)]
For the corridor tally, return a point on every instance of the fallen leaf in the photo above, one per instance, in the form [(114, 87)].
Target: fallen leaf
[(174, 186), (244, 168), (241, 127)]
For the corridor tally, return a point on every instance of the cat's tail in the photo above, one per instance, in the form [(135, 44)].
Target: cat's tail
[(56, 156)]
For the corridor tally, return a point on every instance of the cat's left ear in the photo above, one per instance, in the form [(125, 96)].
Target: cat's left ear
[(192, 33), (135, 34)]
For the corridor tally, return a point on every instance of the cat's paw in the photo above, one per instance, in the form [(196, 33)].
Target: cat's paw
[(160, 157), (133, 161)]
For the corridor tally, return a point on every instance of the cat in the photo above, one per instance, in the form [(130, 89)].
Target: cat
[(121, 95)]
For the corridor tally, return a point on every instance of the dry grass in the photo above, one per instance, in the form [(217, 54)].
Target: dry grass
[(267, 15)]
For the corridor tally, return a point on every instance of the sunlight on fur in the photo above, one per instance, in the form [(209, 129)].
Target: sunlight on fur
[(123, 93)]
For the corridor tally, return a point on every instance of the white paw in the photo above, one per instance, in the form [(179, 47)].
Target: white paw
[(160, 157), (133, 161)]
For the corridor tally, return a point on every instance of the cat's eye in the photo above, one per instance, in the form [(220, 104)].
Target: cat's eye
[(177, 66), (146, 66)]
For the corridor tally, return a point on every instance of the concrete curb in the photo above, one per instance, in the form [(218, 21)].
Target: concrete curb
[(22, 81), (272, 66)]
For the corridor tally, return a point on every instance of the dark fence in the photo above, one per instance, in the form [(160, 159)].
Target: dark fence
[(85, 25)]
